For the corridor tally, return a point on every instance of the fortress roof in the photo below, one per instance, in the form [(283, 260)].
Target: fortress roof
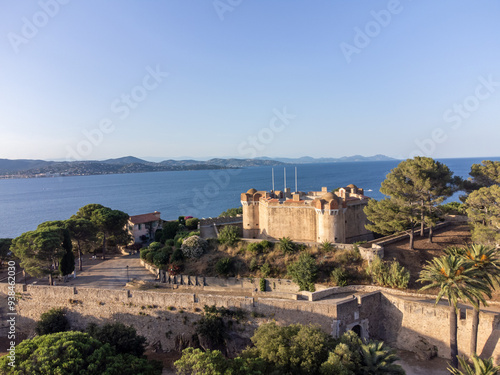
[(328, 197), (251, 191)]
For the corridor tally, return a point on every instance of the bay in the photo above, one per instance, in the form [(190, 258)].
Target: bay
[(25, 203)]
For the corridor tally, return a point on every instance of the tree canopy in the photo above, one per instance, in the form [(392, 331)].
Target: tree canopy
[(68, 353), (483, 210)]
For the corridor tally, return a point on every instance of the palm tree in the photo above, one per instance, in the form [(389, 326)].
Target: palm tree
[(481, 367), (376, 359), (486, 261), (454, 276)]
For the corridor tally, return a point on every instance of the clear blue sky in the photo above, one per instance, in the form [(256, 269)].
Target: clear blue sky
[(420, 69)]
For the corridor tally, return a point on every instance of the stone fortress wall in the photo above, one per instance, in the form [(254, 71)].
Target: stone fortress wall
[(402, 320)]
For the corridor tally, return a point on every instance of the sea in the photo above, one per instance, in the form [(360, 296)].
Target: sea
[(25, 203)]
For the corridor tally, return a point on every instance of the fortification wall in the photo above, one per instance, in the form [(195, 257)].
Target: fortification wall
[(399, 320), (356, 219), (297, 223)]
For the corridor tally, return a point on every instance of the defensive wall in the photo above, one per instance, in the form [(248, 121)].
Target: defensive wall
[(402, 320)]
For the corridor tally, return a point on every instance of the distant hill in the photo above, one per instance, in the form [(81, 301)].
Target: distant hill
[(130, 164), (308, 159)]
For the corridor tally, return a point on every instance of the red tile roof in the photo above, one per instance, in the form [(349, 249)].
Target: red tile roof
[(144, 218)]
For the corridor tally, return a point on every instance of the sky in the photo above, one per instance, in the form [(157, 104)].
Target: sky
[(238, 78)]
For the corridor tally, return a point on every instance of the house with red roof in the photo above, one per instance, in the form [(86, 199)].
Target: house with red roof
[(143, 227)]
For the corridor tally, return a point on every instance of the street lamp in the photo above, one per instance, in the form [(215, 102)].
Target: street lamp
[(128, 279)]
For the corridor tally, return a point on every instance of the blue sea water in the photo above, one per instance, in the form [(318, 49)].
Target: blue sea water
[(24, 203)]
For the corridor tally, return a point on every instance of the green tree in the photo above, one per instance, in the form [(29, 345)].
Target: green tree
[(485, 174), (483, 210), (417, 186), (386, 217), (455, 278), (40, 251), (294, 349), (479, 367), (232, 212), (52, 321), (111, 224), (304, 272), (84, 233), (124, 339), (229, 235), (169, 229), (69, 353), (67, 262), (198, 362)]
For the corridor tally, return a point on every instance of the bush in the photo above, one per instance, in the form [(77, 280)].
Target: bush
[(326, 246), (388, 274), (287, 246), (262, 285), (192, 223), (229, 235), (194, 247), (170, 229), (453, 208), (266, 245), (177, 256), (265, 269), (123, 338), (144, 252), (159, 236), (155, 246), (304, 272), (223, 266), (348, 256), (161, 258), (170, 242), (253, 265), (339, 277), (254, 247), (179, 238), (52, 321), (150, 256)]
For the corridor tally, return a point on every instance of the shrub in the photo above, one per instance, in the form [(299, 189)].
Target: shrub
[(194, 247), (223, 266), (326, 246), (453, 208), (304, 272), (254, 247), (229, 235), (388, 274), (262, 285), (123, 338), (170, 242), (159, 236), (177, 256), (150, 256), (144, 252), (348, 256), (265, 269), (253, 265), (182, 220), (161, 258), (266, 245), (287, 246), (339, 277), (155, 246), (192, 223), (52, 321), (179, 238), (175, 268), (170, 229)]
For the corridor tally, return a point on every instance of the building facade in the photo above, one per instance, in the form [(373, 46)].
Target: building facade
[(315, 216), (144, 225)]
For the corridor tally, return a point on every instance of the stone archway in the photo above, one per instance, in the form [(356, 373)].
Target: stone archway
[(357, 330)]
